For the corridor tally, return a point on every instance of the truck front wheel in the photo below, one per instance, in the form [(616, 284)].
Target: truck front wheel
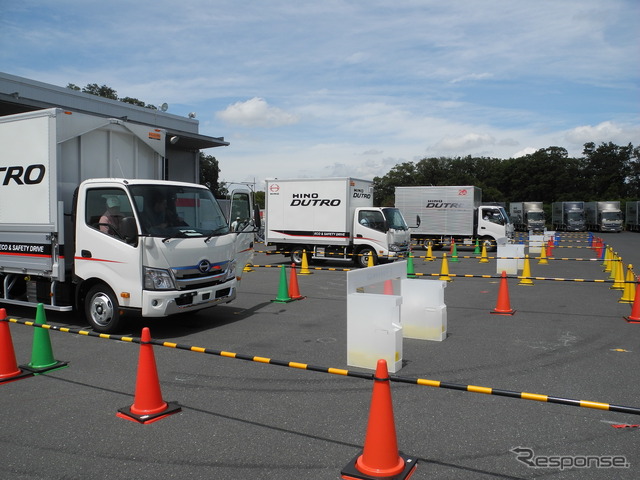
[(362, 257), (102, 309)]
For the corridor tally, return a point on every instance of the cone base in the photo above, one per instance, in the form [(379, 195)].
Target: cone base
[(19, 375), (127, 414), (45, 368), (508, 312), (286, 300), (350, 472), (632, 320)]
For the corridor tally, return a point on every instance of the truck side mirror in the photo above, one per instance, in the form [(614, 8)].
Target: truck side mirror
[(129, 230)]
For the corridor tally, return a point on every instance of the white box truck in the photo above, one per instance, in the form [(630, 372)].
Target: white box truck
[(332, 219), (603, 216), (446, 213), (72, 237), (527, 216), (632, 216)]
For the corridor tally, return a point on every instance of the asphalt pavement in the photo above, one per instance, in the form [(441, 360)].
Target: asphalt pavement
[(248, 417)]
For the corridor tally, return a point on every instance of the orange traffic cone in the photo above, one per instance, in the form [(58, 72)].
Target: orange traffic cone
[(503, 307), (388, 287), (294, 291), (9, 370), (148, 406), (380, 457), (635, 309)]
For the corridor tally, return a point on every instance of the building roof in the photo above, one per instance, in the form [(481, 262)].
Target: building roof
[(18, 95)]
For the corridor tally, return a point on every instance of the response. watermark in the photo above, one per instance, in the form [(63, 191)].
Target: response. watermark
[(564, 462)]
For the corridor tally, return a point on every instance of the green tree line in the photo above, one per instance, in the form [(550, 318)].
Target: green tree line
[(603, 172)]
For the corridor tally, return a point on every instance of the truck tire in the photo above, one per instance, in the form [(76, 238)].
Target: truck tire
[(296, 255), (102, 309), (362, 257), (489, 244)]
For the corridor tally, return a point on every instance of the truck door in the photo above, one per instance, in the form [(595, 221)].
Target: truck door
[(242, 222), (107, 242)]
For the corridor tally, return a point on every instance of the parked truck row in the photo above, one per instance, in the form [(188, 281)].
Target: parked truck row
[(73, 237)]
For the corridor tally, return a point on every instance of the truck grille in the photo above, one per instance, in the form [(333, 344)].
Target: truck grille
[(193, 277)]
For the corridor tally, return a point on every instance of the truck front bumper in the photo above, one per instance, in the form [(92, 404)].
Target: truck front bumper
[(157, 303)]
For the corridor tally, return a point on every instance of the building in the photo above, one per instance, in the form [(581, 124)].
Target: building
[(19, 95)]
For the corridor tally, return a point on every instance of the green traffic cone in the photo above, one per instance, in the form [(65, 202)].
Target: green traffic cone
[(410, 271), (477, 250), (283, 289), (42, 354), (454, 254)]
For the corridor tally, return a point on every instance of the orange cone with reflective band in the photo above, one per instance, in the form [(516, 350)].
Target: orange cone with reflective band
[(635, 310), (148, 406), (9, 370), (294, 290), (503, 306), (380, 457)]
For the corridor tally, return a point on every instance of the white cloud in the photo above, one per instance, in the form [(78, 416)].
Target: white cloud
[(604, 132), (256, 112), (465, 142)]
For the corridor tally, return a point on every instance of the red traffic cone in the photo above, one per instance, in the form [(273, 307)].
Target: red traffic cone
[(503, 307), (388, 287), (9, 370), (294, 290), (380, 457), (635, 309), (148, 406)]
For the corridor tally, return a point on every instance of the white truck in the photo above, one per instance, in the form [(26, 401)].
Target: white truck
[(74, 238), (527, 216), (568, 216), (603, 216), (632, 216), (453, 213), (332, 219)]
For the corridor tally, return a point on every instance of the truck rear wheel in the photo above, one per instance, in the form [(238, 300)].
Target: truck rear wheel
[(296, 255), (362, 258), (102, 309)]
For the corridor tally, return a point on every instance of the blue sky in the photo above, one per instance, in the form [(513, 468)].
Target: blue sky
[(350, 88)]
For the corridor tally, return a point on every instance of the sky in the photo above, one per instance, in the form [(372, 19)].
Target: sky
[(306, 89)]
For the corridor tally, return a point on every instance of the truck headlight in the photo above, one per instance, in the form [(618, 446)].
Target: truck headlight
[(231, 271), (158, 279)]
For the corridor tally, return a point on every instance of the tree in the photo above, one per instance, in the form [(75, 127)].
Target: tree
[(108, 92), (607, 169), (210, 174)]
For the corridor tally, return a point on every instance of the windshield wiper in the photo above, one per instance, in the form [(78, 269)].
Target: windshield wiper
[(214, 233)]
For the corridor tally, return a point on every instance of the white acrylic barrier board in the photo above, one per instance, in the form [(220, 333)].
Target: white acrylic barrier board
[(423, 314), (374, 329), (514, 260), (535, 244)]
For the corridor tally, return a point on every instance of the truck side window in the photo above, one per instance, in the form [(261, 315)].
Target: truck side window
[(372, 219), (106, 209)]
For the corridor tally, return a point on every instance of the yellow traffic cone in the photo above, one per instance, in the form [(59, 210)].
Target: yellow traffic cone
[(304, 267), (526, 272), (429, 256), (615, 263), (370, 262), (543, 256), (618, 282), (607, 260), (444, 269), (483, 256), (629, 294)]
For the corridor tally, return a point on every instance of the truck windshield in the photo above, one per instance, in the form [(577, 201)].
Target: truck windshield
[(575, 216), (178, 211), (535, 215), (612, 216), (394, 218)]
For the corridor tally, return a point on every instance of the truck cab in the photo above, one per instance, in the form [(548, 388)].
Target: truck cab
[(381, 232), (493, 223)]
